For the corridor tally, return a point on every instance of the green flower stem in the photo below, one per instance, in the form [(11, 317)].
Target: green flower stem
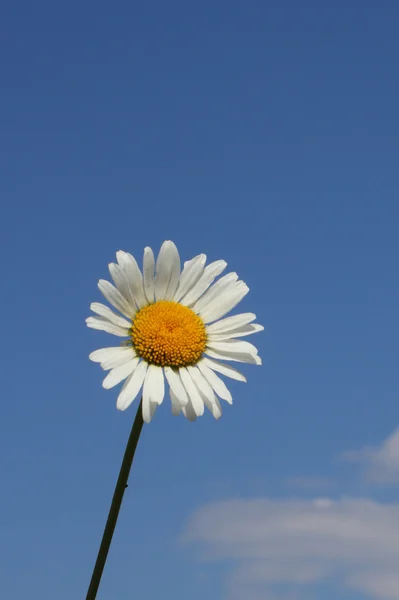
[(120, 487)]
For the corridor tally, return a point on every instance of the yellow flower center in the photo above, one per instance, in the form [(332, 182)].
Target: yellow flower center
[(168, 334)]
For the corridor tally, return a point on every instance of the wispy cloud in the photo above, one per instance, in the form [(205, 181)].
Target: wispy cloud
[(273, 542), (380, 463)]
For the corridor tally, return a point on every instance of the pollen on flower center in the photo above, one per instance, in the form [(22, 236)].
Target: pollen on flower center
[(168, 334)]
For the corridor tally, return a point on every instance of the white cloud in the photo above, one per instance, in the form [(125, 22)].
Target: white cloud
[(299, 543), (381, 463), (239, 592), (382, 585)]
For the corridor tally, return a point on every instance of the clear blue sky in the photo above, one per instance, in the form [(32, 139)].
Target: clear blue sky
[(263, 133)]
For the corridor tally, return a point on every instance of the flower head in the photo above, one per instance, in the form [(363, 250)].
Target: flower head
[(174, 329)]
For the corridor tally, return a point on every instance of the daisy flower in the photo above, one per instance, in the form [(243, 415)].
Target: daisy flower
[(176, 331)]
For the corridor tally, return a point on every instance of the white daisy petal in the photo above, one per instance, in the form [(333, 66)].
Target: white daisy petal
[(226, 370), (233, 346), (192, 392), (156, 382), (118, 359), (149, 408), (174, 274), (153, 391), (167, 271), (122, 285), (191, 273), (215, 290), (115, 298), (206, 392), (132, 386), (176, 406), (214, 407), (103, 354), (202, 383), (224, 303), (117, 362), (235, 333), (148, 274), (207, 278), (176, 385), (217, 384), (230, 323), (189, 412), (103, 324), (134, 278), (235, 357), (120, 373), (105, 311)]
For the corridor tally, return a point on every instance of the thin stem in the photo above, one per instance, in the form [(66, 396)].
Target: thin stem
[(120, 487)]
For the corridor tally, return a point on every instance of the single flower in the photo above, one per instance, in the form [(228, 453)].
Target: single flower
[(173, 323)]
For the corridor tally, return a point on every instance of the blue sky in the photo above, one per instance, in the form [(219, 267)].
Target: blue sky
[(266, 134)]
